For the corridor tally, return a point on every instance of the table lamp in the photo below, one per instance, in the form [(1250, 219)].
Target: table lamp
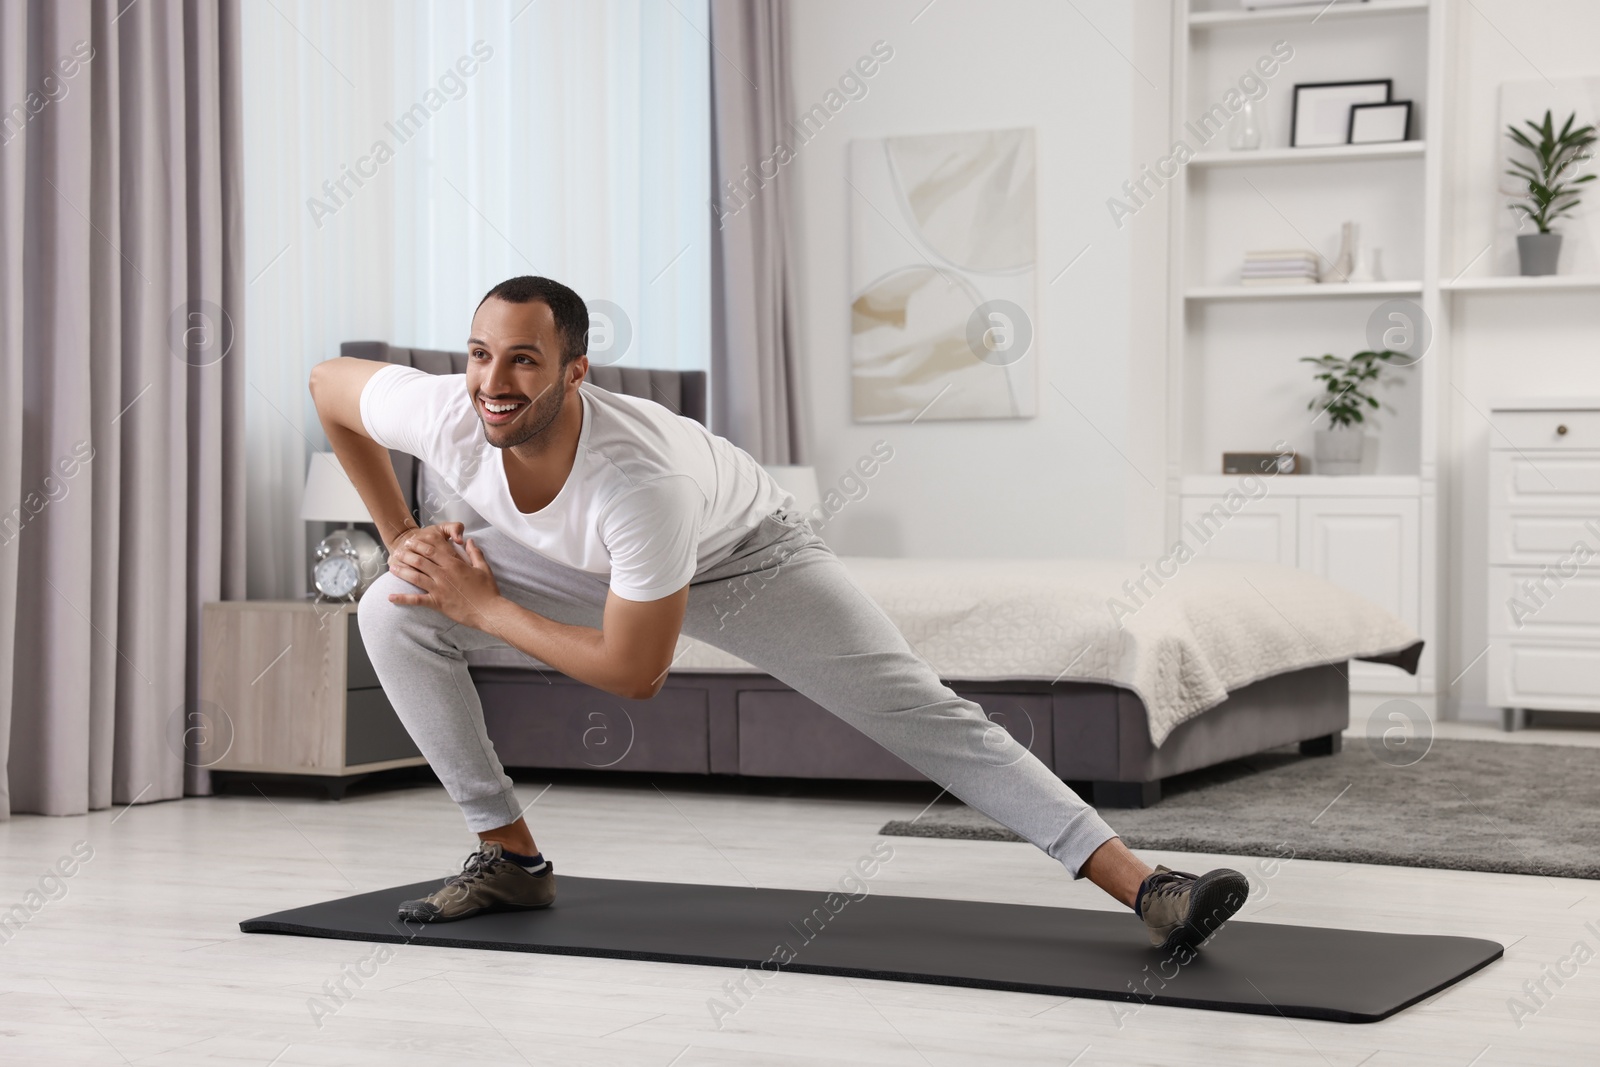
[(347, 561)]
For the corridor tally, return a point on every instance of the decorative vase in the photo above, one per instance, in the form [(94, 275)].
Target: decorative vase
[(1339, 451), (1246, 132), (1364, 267), (1345, 265), (1538, 252)]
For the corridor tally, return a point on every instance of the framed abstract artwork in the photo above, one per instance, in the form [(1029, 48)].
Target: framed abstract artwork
[(942, 259)]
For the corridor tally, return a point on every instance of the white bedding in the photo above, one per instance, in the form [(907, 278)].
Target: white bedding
[(1214, 627)]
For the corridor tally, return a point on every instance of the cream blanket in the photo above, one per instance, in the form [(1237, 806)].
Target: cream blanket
[(1181, 645)]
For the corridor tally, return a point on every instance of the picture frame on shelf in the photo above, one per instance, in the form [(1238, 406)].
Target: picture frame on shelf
[(1320, 111), (1380, 123)]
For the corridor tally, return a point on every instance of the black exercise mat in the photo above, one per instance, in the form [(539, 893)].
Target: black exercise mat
[(1266, 969)]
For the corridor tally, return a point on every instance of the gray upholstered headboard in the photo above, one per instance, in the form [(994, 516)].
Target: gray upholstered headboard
[(684, 391)]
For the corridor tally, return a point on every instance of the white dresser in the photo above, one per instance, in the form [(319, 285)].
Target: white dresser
[(1544, 557)]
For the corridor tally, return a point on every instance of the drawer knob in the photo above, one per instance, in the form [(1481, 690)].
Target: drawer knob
[(1561, 430)]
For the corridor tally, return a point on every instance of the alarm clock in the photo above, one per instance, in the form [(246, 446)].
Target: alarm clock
[(346, 563)]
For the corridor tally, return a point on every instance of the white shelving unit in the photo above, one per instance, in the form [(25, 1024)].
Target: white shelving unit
[(1513, 283), (1330, 291), (1332, 154), (1303, 13), (1310, 485), (1234, 378)]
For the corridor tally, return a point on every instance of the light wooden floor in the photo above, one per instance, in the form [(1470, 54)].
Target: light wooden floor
[(141, 960)]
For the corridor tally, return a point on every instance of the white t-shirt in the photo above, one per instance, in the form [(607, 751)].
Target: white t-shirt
[(652, 497)]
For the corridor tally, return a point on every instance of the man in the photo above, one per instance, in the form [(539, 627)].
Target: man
[(612, 526)]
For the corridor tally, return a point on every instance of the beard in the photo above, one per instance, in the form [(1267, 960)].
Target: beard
[(540, 413)]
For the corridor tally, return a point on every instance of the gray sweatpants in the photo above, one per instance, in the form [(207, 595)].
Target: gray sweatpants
[(781, 602)]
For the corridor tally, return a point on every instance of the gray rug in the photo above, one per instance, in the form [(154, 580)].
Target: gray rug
[(1466, 805)]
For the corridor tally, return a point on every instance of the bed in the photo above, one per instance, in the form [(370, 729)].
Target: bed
[(1113, 678)]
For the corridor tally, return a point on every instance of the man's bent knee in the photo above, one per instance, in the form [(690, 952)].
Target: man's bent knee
[(380, 619)]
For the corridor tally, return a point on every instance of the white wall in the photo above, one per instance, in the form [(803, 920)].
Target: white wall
[(1500, 345), (1082, 478)]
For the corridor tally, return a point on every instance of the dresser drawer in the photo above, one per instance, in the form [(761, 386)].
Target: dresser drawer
[(1543, 429), (1540, 537), (1536, 603), (1532, 674), (1545, 481)]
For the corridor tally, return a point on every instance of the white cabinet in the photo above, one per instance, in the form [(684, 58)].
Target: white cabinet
[(1544, 557), (1368, 544), (1259, 531)]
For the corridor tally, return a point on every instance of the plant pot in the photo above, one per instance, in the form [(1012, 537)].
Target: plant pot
[(1339, 451), (1538, 252)]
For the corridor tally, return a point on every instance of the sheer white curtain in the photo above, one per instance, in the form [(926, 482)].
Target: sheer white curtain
[(401, 158)]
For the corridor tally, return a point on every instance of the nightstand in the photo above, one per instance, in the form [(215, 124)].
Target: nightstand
[(286, 689)]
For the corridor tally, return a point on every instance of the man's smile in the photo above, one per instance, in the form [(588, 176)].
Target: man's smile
[(498, 412)]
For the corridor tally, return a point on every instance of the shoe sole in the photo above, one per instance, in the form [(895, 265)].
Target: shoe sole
[(416, 917), (1215, 898)]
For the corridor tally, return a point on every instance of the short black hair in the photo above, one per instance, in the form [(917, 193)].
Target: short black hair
[(570, 312)]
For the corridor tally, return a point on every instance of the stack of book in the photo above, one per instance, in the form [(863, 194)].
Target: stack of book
[(1292, 266)]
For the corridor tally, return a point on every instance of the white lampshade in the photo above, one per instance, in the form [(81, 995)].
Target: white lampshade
[(330, 496), (802, 482)]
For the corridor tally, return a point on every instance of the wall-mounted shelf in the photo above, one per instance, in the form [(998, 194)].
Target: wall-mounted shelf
[(1513, 283), (1335, 153), (1305, 13), (1303, 292), (1309, 484)]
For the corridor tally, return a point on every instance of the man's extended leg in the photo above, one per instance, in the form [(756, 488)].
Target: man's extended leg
[(787, 606)]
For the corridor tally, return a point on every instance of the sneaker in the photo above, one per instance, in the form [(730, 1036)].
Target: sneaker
[(487, 882), (1183, 910)]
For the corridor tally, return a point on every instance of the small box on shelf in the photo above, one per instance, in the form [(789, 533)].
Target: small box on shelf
[(1262, 463)]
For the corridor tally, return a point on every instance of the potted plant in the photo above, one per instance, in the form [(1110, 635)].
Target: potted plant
[(1551, 183), (1345, 398)]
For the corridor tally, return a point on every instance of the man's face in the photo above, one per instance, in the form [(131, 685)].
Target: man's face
[(514, 372)]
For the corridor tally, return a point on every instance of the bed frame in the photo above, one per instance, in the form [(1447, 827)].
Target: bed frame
[(752, 725)]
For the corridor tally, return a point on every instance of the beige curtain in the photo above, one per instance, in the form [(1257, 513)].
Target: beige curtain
[(121, 391), (757, 390)]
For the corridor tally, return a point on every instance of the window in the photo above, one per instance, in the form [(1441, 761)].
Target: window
[(402, 158)]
